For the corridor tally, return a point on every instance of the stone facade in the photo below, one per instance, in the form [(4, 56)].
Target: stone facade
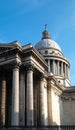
[(35, 88)]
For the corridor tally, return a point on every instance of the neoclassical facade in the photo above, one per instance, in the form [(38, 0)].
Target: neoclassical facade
[(35, 88)]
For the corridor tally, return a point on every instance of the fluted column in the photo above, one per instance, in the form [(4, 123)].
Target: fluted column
[(48, 65), (22, 98), (65, 70), (69, 72), (43, 102), (62, 68), (29, 97), (58, 67), (3, 99), (53, 66), (15, 97)]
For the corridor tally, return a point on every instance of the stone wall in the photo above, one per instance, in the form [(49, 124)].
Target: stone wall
[(55, 99), (68, 111)]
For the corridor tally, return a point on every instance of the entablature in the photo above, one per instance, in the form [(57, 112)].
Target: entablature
[(27, 54), (30, 54), (68, 94)]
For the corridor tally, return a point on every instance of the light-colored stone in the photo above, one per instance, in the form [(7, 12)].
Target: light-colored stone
[(3, 99), (15, 97), (29, 98), (43, 102), (22, 99), (48, 65), (62, 68), (55, 108), (58, 67)]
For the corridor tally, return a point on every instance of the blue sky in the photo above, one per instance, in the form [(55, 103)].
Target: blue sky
[(24, 20)]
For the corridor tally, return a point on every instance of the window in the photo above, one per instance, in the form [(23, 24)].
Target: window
[(46, 52)]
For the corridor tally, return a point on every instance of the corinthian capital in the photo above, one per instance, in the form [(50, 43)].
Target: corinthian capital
[(29, 67)]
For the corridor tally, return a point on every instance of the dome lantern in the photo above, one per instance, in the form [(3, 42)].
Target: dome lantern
[(45, 34)]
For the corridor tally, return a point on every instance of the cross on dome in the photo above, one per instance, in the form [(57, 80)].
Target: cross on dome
[(45, 26)]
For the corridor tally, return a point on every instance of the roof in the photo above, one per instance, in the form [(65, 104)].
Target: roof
[(47, 42)]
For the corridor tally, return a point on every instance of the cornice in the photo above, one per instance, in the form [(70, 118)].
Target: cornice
[(52, 81), (69, 90), (68, 98), (57, 57), (50, 48), (68, 94), (11, 51), (33, 52)]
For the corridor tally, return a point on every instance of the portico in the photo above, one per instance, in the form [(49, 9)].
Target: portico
[(19, 84)]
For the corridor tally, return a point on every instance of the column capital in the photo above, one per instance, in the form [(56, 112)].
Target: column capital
[(16, 66), (29, 67), (42, 76)]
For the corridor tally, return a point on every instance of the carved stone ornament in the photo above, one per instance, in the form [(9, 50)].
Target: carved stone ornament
[(29, 67), (66, 98)]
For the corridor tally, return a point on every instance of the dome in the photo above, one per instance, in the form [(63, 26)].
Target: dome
[(46, 42)]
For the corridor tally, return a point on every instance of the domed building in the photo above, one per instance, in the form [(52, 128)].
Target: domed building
[(35, 88), (58, 65)]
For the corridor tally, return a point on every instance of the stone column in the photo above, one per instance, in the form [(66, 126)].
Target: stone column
[(53, 66), (58, 67), (48, 65), (22, 98), (29, 97), (15, 97), (43, 102), (69, 72), (49, 95), (65, 70), (3, 99), (62, 68)]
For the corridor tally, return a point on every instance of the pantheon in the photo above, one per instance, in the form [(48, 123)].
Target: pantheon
[(35, 86)]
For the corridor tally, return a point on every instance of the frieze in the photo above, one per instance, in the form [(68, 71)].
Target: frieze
[(66, 98)]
